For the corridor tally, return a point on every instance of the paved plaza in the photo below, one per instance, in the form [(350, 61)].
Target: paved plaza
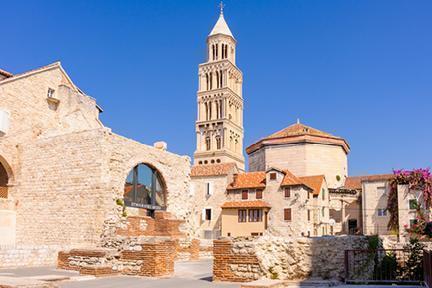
[(188, 274)]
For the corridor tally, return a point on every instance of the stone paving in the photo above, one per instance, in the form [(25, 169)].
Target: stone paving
[(188, 274)]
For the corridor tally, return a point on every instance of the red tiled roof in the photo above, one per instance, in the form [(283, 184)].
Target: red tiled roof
[(246, 204), (248, 180), (354, 182), (314, 182), (258, 180), (5, 73), (290, 179), (213, 169), (299, 133)]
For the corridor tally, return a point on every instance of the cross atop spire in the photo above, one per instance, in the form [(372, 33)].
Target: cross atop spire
[(221, 6)]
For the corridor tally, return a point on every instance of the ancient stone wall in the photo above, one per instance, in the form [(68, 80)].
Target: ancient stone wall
[(248, 259), (66, 170), (40, 255)]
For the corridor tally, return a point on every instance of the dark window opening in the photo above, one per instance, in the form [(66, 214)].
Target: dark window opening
[(287, 214), (208, 214), (287, 192), (273, 176)]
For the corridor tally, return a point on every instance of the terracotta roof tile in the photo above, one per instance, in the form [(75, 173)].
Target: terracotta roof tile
[(355, 182), (290, 179), (299, 133), (248, 180), (314, 182), (213, 169), (246, 204)]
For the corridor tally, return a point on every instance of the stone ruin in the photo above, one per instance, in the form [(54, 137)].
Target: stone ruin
[(135, 245)]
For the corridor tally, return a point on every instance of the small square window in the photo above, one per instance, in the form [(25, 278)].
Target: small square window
[(259, 194), (287, 192), (287, 214), (245, 194), (273, 176), (412, 204), (50, 93), (382, 212)]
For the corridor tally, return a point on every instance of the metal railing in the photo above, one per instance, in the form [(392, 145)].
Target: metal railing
[(380, 266), (427, 268)]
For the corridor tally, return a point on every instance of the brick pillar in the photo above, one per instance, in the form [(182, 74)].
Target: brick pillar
[(158, 258), (221, 256)]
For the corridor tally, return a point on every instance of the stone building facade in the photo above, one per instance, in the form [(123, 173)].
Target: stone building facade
[(278, 202), (64, 169), (304, 151)]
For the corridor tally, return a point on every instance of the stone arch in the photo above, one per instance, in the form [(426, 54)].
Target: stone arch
[(6, 177), (160, 178), (8, 170)]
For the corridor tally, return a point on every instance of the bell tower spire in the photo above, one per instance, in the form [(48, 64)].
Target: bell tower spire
[(219, 125)]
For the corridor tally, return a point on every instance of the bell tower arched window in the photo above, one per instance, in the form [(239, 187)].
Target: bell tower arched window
[(144, 188), (218, 142), (208, 146)]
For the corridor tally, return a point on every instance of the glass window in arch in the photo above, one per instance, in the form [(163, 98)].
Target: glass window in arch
[(144, 188)]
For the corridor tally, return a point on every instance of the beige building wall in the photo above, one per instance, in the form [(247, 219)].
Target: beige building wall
[(407, 215), (374, 201), (232, 228), (209, 192), (304, 160)]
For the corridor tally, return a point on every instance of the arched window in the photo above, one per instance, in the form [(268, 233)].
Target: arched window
[(144, 188), (4, 179), (210, 110), (226, 51), (211, 80), (217, 79), (213, 52), (217, 109), (218, 142), (220, 108), (220, 79), (216, 48), (206, 108), (208, 146), (207, 81)]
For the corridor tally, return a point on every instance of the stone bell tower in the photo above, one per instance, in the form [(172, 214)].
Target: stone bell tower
[(219, 125)]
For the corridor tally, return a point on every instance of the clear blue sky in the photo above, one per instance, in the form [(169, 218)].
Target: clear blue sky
[(357, 69)]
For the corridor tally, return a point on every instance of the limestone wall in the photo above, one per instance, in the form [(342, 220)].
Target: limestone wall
[(304, 160), (214, 202), (26, 255), (65, 169), (247, 259)]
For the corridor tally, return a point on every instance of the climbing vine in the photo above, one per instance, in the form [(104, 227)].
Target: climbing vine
[(417, 179)]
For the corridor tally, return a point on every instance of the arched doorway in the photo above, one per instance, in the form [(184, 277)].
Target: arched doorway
[(4, 179), (145, 188)]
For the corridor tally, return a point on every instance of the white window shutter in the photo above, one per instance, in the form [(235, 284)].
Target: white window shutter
[(210, 188), (4, 122), (203, 214)]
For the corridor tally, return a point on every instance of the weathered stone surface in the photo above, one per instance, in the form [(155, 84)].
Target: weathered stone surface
[(247, 258)]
